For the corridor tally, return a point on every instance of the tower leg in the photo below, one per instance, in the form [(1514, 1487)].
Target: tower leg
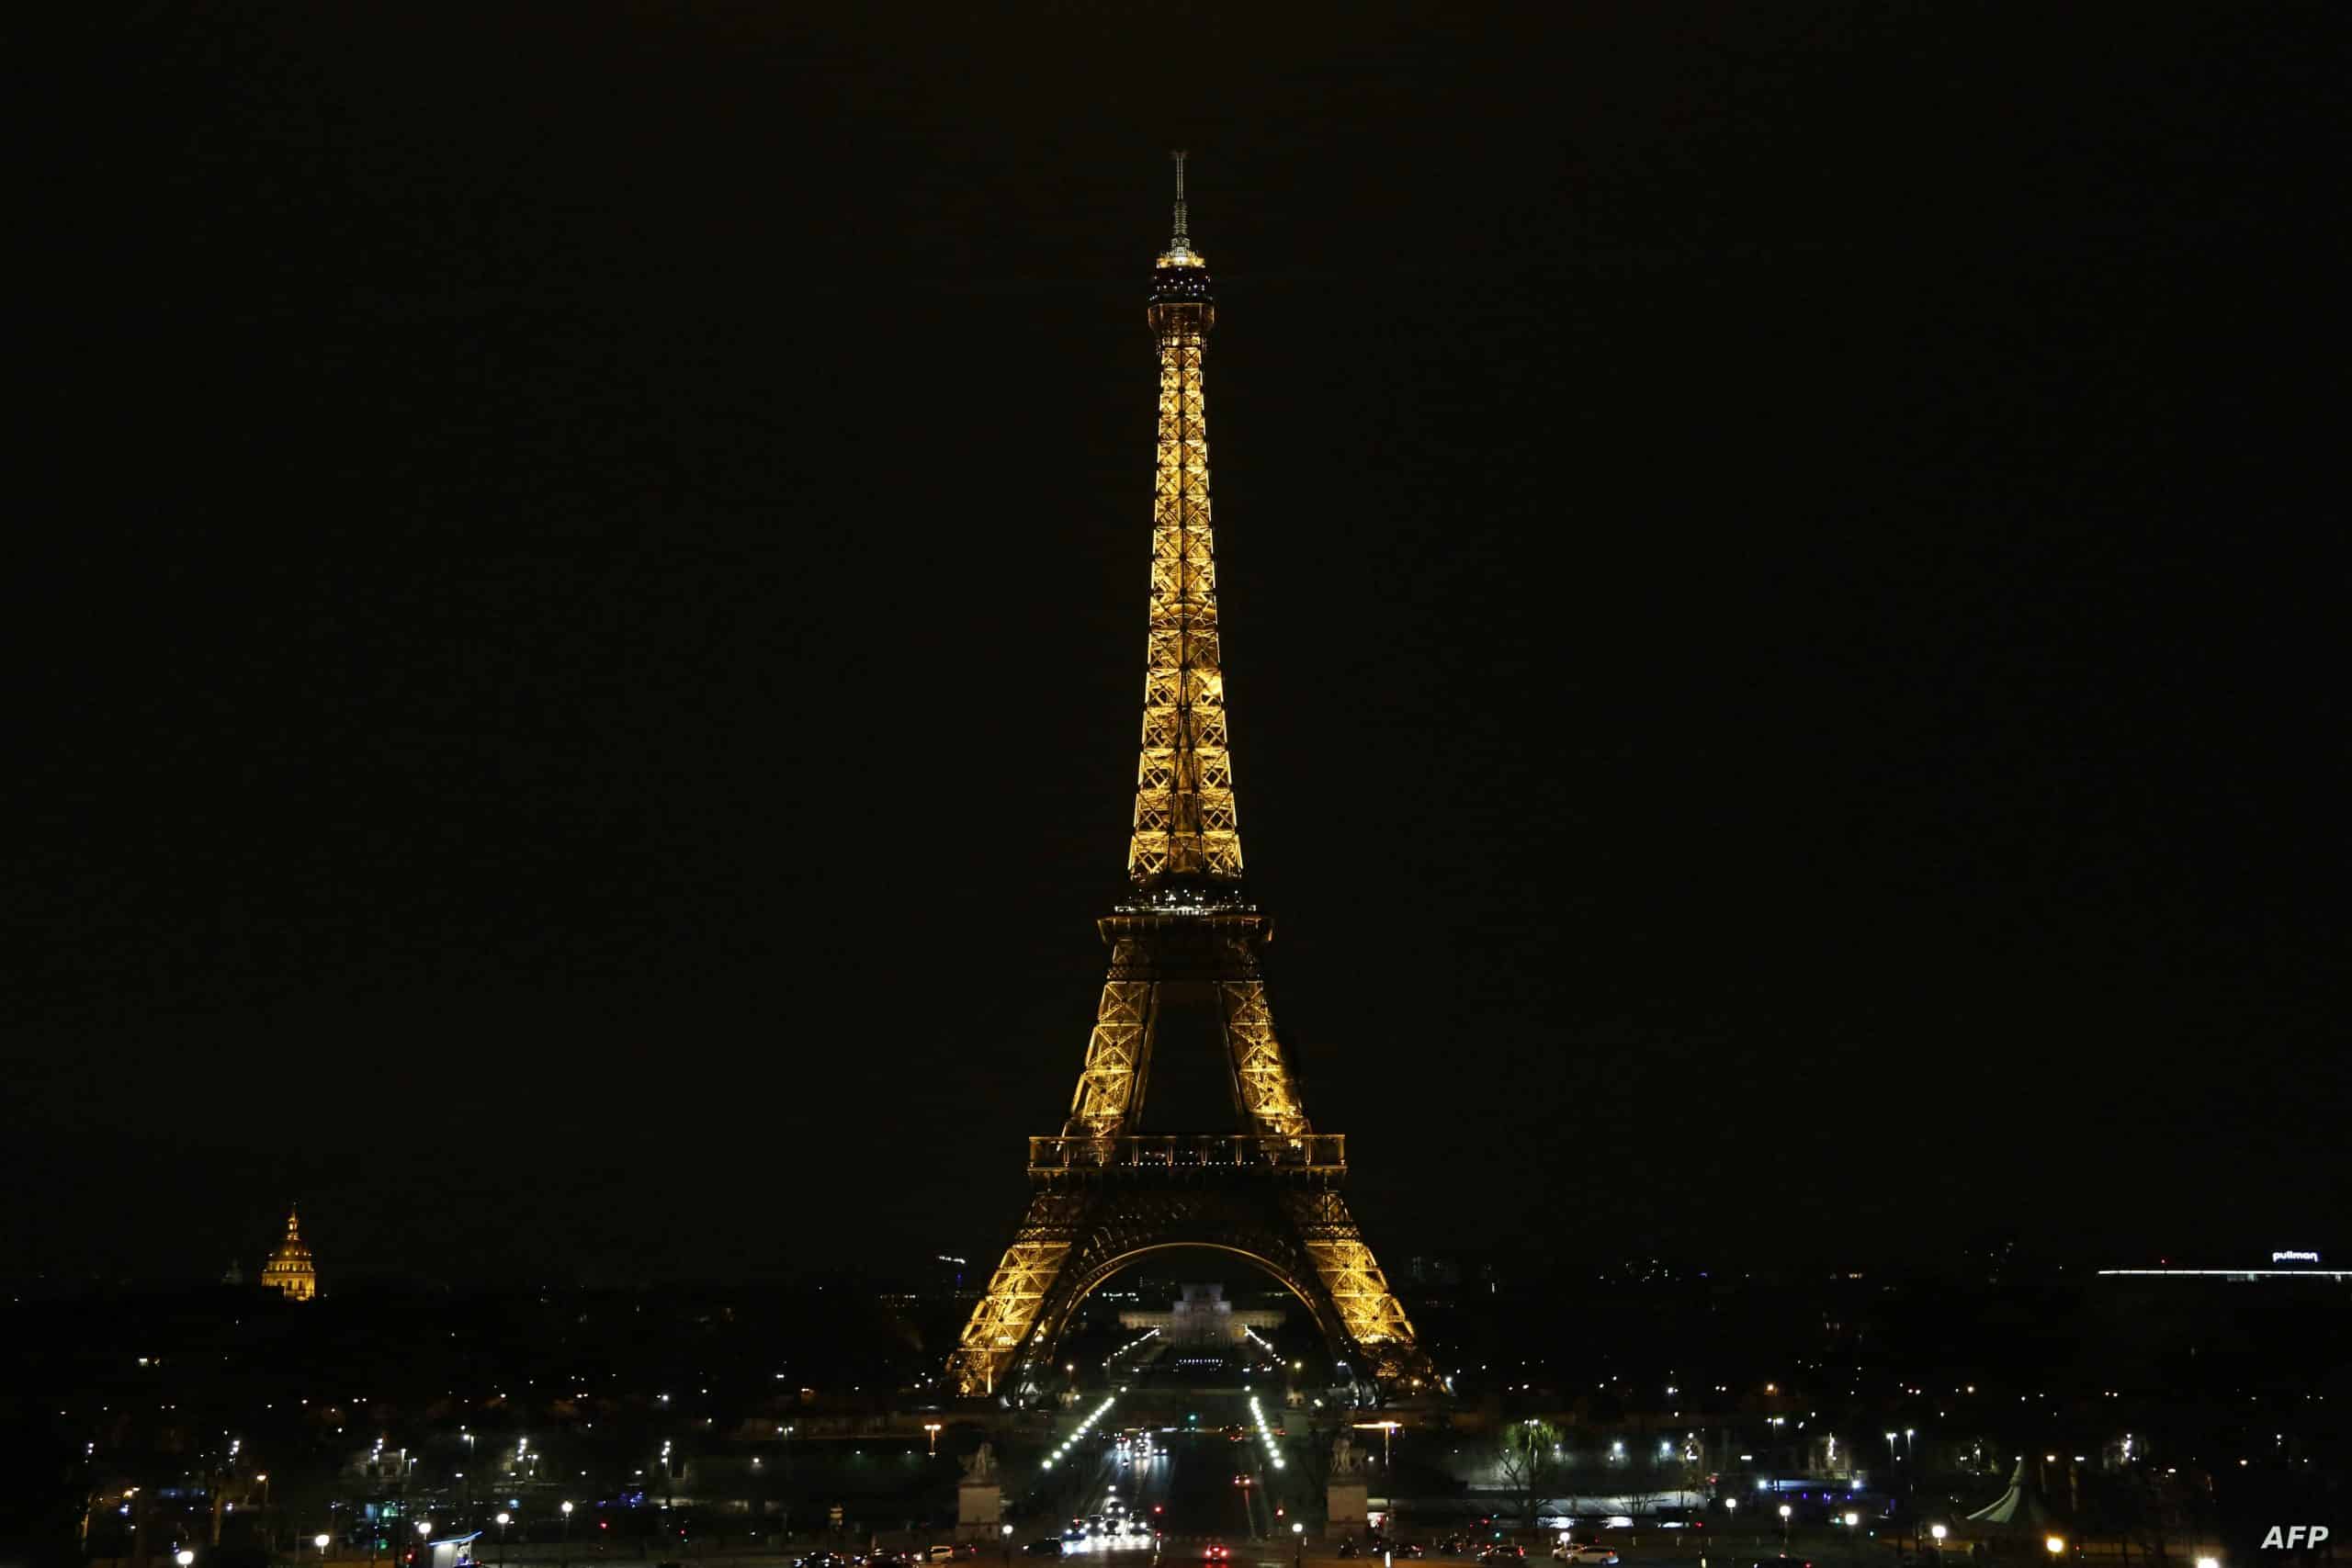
[(1370, 1314), (1002, 1319)]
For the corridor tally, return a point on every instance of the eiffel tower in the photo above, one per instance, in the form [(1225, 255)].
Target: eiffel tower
[(1186, 937)]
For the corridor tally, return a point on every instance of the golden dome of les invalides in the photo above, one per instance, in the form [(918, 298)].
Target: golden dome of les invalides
[(290, 1268)]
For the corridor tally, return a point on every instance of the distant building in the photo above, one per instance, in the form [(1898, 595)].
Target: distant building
[(1201, 1315), (1434, 1272), (289, 1268)]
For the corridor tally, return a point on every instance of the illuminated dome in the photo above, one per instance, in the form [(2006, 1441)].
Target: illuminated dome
[(289, 1268)]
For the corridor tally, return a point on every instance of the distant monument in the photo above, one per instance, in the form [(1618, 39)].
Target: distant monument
[(979, 1501), (1347, 1512), (289, 1268), (1201, 1315)]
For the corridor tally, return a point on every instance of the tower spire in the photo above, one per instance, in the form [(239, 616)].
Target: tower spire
[(1186, 841), (1183, 241)]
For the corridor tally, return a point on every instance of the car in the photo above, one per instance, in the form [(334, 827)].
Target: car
[(1585, 1552), (1503, 1556), (1215, 1552), (1406, 1548), (885, 1557), (820, 1558), (1782, 1561), (939, 1554), (1044, 1546)]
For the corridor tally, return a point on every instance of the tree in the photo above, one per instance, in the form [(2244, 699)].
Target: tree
[(1528, 1462)]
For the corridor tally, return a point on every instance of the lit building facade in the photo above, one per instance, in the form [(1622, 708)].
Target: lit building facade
[(1201, 1315)]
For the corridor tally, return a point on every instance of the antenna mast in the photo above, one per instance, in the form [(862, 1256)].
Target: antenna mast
[(1183, 241)]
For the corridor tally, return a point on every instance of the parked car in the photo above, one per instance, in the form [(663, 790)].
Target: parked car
[(1044, 1546), (939, 1554), (1585, 1552)]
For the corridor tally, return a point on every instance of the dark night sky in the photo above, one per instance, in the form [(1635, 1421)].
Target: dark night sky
[(1782, 567)]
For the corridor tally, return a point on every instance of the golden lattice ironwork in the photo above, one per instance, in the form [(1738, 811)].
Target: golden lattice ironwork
[(1185, 828), (1105, 1190)]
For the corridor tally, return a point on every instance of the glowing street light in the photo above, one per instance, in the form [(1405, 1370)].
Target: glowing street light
[(183, 1557), (2055, 1544), (505, 1519), (1853, 1520)]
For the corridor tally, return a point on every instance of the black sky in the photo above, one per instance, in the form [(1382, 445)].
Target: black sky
[(1782, 567)]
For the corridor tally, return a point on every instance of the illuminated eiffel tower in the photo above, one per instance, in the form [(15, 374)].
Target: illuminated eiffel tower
[(1186, 937)]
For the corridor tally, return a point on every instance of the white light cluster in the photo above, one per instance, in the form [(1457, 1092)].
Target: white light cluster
[(1265, 1432), (1083, 1427), (1131, 1344)]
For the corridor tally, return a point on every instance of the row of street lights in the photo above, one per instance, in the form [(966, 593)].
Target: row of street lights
[(2055, 1545)]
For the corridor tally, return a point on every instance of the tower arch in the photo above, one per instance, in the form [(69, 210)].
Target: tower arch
[(1302, 1287)]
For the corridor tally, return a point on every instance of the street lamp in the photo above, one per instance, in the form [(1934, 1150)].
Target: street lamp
[(1938, 1532), (567, 1533), (1298, 1539), (933, 1427), (2056, 1544), (183, 1557), (505, 1519), (784, 1504), (1853, 1520)]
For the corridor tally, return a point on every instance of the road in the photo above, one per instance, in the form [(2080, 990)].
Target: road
[(1206, 1482)]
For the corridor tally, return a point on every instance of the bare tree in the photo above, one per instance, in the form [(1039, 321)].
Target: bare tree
[(1527, 1458)]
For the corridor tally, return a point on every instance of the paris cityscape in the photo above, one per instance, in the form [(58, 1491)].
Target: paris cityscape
[(590, 796)]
